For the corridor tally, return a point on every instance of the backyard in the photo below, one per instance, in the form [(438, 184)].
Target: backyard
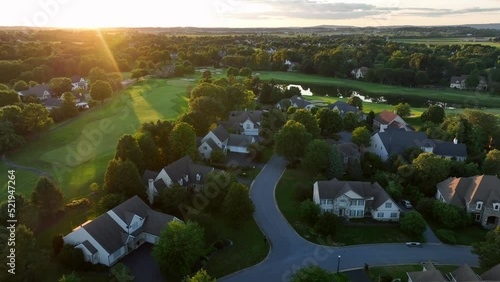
[(346, 235)]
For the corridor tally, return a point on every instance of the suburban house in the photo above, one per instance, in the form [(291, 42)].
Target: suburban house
[(460, 82), (244, 122), (391, 142), (220, 139), (41, 91), (79, 82), (349, 152), (359, 73), (463, 273), (295, 101), (345, 108), (118, 232), (479, 195), (390, 120), (354, 199), (183, 172)]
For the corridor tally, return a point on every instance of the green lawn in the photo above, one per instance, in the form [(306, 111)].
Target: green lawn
[(249, 247), (25, 181), (464, 236), (77, 154), (346, 235), (399, 271), (466, 98)]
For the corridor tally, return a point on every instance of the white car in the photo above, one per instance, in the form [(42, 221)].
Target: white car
[(406, 204)]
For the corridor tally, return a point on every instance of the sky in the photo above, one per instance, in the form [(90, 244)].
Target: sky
[(246, 13)]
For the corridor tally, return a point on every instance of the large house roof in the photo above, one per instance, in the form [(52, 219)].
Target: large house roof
[(106, 231), (466, 190), (344, 108), (37, 90), (493, 274), (386, 117), (240, 140), (427, 276), (334, 188), (444, 148), (465, 274), (89, 247), (133, 206), (396, 142), (300, 102), (221, 133), (185, 167), (156, 222)]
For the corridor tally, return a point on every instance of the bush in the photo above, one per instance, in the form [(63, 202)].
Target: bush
[(72, 258), (57, 244), (425, 207), (83, 202), (447, 236), (303, 192), (450, 216), (413, 223), (327, 224), (309, 211)]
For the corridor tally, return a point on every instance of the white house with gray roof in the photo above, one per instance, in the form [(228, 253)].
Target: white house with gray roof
[(244, 122), (354, 199), (220, 139), (345, 108), (295, 101), (396, 142), (113, 235)]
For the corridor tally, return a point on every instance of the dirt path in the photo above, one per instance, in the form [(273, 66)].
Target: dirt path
[(32, 169)]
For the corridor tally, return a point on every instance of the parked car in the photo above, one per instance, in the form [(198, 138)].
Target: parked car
[(406, 204)]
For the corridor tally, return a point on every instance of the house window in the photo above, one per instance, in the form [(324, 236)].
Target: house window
[(359, 213), (323, 201), (248, 126), (329, 202), (394, 214), (352, 213), (388, 205), (478, 217), (380, 215), (496, 206), (479, 205), (198, 177)]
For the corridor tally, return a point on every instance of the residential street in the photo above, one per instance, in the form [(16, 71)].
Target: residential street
[(290, 252)]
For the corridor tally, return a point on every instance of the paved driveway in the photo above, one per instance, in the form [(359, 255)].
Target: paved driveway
[(290, 252), (142, 265)]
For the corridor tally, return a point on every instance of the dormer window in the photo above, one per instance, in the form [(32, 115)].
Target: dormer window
[(496, 206), (181, 182), (479, 205), (198, 177), (186, 178)]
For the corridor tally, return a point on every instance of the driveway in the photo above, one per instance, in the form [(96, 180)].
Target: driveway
[(142, 265), (290, 252)]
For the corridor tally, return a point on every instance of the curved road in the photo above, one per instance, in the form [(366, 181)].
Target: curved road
[(290, 252)]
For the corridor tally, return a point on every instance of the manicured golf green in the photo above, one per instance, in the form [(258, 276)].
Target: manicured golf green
[(77, 154), (460, 97)]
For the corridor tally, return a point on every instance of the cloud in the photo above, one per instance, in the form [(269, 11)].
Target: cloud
[(430, 12)]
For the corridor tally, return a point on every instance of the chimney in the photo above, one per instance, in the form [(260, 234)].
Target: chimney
[(455, 140), (151, 191)]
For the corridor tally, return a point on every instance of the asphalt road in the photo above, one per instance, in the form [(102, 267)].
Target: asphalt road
[(290, 252)]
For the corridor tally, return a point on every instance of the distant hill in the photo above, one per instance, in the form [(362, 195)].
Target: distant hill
[(481, 26)]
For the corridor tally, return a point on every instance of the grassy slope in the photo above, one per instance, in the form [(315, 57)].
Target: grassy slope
[(346, 235), (146, 101), (466, 98)]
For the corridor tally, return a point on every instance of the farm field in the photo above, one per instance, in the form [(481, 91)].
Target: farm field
[(460, 97), (77, 154)]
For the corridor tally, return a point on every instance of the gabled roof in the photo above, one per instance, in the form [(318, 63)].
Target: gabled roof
[(133, 206), (300, 102), (444, 148), (460, 191), (185, 167), (89, 247), (106, 232), (240, 140), (465, 274), (211, 143), (52, 102), (348, 149), (76, 79), (149, 174), (344, 108), (156, 222), (396, 142), (386, 117), (221, 133), (37, 90), (334, 188), (493, 274)]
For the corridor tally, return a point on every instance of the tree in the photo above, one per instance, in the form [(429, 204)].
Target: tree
[(356, 102), (354, 171), (232, 71), (123, 177), (312, 273), (307, 119), (148, 149), (68, 107), (433, 114), (60, 85), (246, 71), (128, 148), (238, 97), (316, 159), (327, 224), (413, 223), (69, 278), (361, 137), (200, 276), (395, 189), (20, 86), (449, 215), (109, 201), (491, 164), (351, 121), (172, 200), (96, 73), (237, 206), (121, 273), (46, 197), (100, 90), (403, 110), (488, 251), (3, 87), (71, 257), (9, 139), (473, 79), (430, 169), (179, 246), (57, 244), (36, 118), (197, 120), (291, 141), (183, 141), (9, 97), (217, 156), (309, 211), (329, 122), (335, 167), (369, 119), (138, 73)]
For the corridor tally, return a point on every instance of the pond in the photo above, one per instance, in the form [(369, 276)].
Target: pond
[(344, 92)]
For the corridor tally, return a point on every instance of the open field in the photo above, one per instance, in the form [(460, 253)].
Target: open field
[(459, 97), (77, 154), (444, 41)]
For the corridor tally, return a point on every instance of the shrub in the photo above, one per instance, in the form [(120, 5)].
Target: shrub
[(78, 203), (413, 223), (309, 211), (447, 236), (72, 258), (327, 224), (303, 192), (425, 207), (57, 244)]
